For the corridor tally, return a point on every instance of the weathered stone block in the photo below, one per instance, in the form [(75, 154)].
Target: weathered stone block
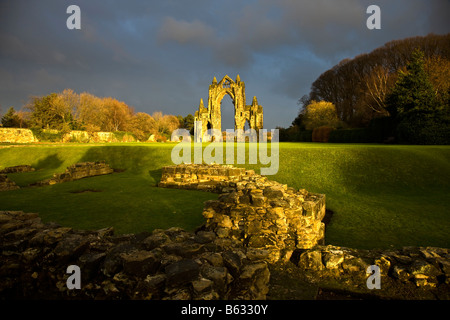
[(182, 272), (185, 250), (141, 262), (71, 247), (333, 258), (311, 260)]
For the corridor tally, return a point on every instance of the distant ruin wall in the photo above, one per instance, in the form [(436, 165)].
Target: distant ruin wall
[(84, 136), (14, 135)]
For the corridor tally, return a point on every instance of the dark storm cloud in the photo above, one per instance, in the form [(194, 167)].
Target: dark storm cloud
[(162, 55), (183, 32)]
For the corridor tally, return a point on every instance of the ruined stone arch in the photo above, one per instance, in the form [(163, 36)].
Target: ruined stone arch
[(253, 113)]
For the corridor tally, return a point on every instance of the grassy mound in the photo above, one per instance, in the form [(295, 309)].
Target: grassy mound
[(381, 195)]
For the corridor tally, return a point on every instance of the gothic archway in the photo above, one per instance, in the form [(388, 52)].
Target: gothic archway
[(236, 90)]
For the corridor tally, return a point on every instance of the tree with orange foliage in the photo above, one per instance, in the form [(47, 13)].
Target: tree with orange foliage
[(117, 114), (318, 114), (165, 124), (142, 125)]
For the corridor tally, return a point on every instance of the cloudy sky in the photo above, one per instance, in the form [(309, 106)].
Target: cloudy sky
[(162, 55)]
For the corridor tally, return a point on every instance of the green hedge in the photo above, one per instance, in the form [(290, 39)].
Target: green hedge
[(47, 135), (381, 129), (321, 134), (358, 135), (425, 128), (305, 136)]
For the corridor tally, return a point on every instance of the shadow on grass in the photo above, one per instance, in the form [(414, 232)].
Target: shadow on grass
[(156, 175), (135, 159), (50, 162)]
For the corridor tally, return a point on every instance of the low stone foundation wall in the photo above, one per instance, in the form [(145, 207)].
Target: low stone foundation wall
[(213, 178), (17, 169), (164, 264), (6, 184), (78, 171), (252, 209), (175, 264)]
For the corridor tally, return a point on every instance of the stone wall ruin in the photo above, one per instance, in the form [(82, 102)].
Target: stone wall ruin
[(15, 135), (165, 264), (17, 169), (21, 135), (262, 214)]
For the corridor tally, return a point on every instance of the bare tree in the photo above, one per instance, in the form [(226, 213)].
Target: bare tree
[(376, 85), (358, 86)]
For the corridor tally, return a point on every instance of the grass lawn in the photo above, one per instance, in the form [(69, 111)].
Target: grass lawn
[(129, 201), (381, 195)]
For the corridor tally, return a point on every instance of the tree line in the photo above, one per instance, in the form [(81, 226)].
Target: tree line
[(383, 87), (67, 110)]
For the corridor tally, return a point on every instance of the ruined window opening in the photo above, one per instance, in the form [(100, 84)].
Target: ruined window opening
[(226, 84)]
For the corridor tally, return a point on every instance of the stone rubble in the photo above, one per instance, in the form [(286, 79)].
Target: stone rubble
[(164, 264), (407, 273)]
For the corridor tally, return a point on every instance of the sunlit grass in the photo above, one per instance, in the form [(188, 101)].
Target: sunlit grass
[(381, 195)]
